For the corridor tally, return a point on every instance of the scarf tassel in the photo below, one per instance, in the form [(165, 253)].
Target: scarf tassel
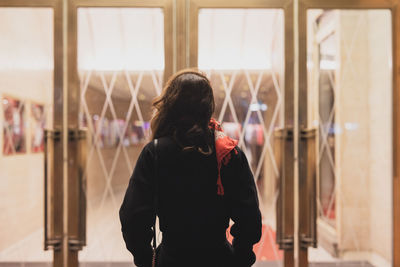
[(220, 188)]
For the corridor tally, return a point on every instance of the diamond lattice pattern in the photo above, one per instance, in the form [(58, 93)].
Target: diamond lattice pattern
[(116, 109), (326, 157), (120, 62), (249, 105), (245, 67)]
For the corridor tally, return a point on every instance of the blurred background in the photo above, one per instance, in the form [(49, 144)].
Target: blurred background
[(122, 59)]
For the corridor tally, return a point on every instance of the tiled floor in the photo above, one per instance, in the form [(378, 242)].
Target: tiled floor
[(105, 243), (341, 264), (107, 249)]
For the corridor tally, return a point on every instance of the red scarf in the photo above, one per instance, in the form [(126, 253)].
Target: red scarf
[(223, 146)]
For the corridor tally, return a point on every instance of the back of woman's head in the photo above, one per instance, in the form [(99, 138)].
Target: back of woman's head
[(184, 109)]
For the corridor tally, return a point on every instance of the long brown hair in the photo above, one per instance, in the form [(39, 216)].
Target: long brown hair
[(184, 109)]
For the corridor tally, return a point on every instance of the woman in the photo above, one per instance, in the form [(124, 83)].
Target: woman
[(200, 180)]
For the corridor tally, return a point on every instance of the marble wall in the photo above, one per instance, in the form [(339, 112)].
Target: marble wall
[(352, 152), (21, 176), (363, 133), (380, 129)]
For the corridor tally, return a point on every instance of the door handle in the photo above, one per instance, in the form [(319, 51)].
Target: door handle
[(51, 240), (307, 189), (78, 137), (283, 144)]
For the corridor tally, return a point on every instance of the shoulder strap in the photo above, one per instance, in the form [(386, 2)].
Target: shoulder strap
[(155, 191)]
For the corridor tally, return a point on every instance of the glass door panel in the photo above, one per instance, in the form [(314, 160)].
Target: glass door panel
[(349, 64), (26, 109), (120, 65), (241, 51)]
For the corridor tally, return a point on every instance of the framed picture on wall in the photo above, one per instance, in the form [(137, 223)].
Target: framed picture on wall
[(14, 139), (38, 123)]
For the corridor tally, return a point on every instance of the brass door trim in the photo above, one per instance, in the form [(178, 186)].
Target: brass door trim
[(284, 137), (346, 4), (77, 137), (120, 3), (307, 189), (51, 239), (394, 7), (27, 3), (181, 38)]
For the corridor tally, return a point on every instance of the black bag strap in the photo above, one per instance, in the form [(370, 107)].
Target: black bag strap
[(155, 191)]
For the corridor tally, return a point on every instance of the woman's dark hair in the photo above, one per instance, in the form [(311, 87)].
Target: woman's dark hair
[(183, 111)]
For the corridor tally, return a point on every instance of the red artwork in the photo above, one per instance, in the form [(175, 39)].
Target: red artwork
[(37, 127), (13, 126)]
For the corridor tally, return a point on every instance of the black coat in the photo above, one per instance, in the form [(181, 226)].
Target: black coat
[(193, 217)]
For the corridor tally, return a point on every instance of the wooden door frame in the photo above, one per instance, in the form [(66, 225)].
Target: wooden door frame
[(394, 7)]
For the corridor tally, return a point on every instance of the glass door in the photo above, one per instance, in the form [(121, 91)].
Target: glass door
[(121, 69), (121, 54), (241, 47), (249, 96)]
